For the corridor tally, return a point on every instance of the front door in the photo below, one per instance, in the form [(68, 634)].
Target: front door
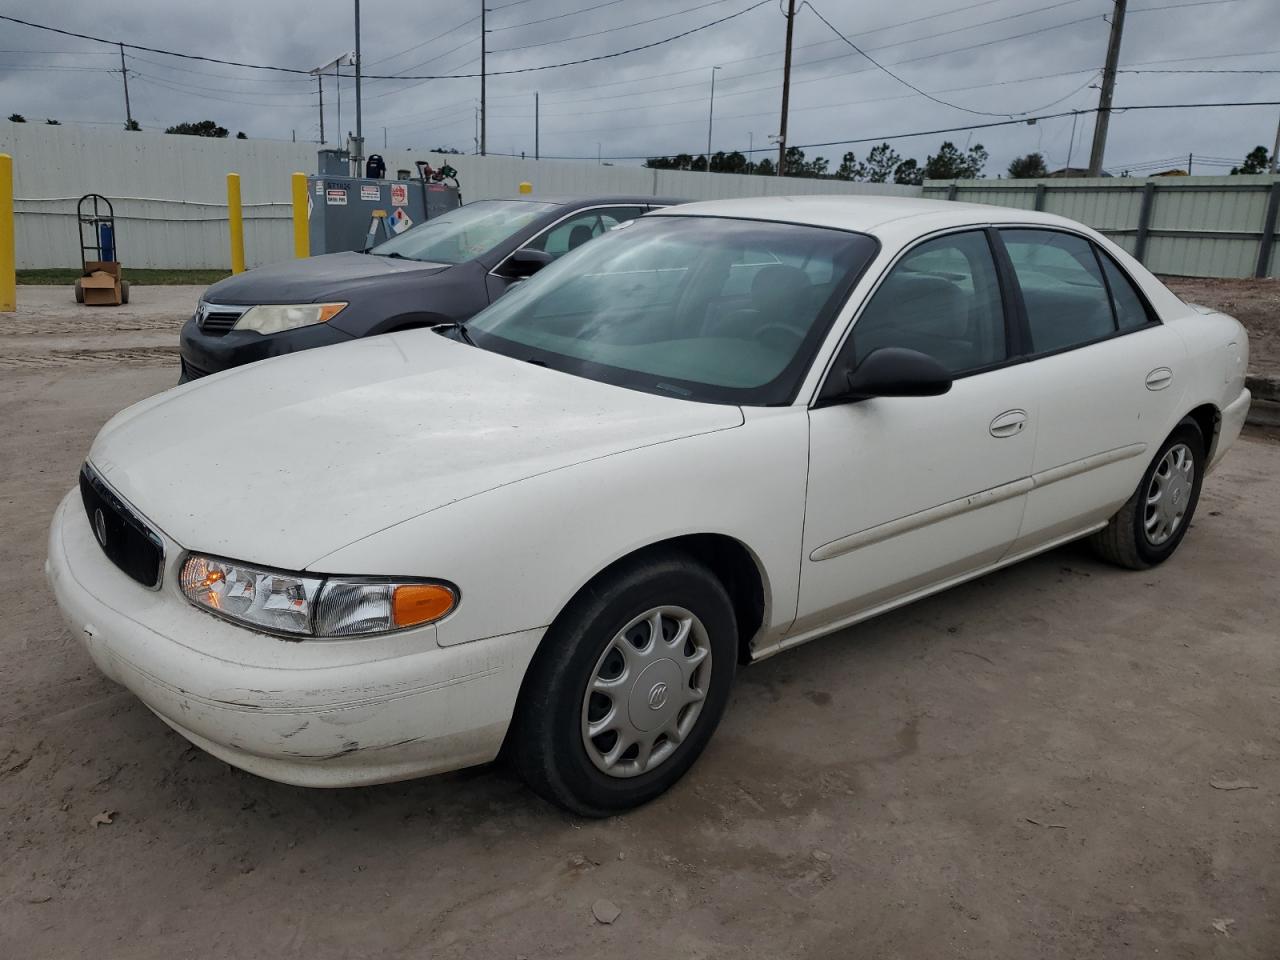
[(908, 492)]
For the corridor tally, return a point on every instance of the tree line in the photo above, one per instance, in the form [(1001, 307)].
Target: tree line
[(883, 164)]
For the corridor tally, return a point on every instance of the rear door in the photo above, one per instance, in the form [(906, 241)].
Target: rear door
[(1103, 364)]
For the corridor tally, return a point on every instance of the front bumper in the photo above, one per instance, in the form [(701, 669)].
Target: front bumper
[(315, 713), (203, 353)]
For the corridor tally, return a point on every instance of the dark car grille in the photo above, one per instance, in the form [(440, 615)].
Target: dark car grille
[(217, 321), (128, 542)]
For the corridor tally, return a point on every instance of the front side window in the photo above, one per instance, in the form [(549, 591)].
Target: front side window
[(1062, 287), (463, 234), (577, 230), (942, 299), (710, 309)]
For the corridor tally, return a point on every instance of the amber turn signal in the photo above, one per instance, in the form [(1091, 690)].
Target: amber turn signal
[(415, 603)]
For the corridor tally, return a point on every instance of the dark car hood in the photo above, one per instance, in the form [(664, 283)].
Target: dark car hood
[(328, 277)]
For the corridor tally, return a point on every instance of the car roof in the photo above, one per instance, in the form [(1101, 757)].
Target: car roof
[(864, 213), (592, 201)]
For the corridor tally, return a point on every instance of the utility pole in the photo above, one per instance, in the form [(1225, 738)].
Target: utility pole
[(536, 111), (786, 91), (128, 113), (711, 113), (484, 43), (1189, 156), (1108, 88), (1275, 149), (359, 131), (320, 89)]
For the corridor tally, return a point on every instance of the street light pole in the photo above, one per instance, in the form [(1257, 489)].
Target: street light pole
[(359, 131), (711, 112)]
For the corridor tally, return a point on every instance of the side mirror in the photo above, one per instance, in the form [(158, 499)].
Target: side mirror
[(893, 372), (525, 263)]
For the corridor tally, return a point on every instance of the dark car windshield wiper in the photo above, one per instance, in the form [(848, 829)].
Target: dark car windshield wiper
[(393, 255), (459, 328)]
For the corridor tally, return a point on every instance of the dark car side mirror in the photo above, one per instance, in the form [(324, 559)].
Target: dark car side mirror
[(525, 263), (890, 372)]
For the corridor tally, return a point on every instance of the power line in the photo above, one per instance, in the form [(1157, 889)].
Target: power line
[(134, 46), (599, 33), (964, 128), (454, 76), (560, 16), (418, 46), (574, 63), (901, 80)]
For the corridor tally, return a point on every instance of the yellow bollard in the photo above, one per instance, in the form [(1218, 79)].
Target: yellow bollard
[(8, 280), (301, 224), (236, 223), (526, 186)]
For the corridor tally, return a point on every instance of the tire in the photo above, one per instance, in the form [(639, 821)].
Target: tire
[(1126, 540), (79, 292), (124, 291), (550, 745)]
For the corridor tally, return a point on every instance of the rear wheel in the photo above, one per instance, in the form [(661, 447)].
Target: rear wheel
[(79, 291), (1149, 527), (124, 291), (627, 688)]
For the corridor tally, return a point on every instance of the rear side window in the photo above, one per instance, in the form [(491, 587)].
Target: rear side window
[(1131, 310), (1062, 287), (942, 299)]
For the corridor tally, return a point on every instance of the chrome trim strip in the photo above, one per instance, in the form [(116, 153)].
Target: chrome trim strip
[(975, 501), (914, 521)]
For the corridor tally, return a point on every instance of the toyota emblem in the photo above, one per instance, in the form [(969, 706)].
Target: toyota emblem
[(658, 696), (100, 526)]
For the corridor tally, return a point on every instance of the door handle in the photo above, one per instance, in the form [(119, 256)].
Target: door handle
[(1159, 378), (1009, 423)]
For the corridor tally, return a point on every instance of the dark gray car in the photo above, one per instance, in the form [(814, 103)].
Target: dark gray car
[(444, 271)]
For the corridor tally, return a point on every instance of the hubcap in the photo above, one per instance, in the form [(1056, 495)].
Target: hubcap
[(1169, 494), (646, 691)]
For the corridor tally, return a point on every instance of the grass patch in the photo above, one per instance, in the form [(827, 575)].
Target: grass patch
[(137, 277)]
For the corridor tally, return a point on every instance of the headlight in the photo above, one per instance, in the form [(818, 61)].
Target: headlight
[(295, 604), (275, 317)]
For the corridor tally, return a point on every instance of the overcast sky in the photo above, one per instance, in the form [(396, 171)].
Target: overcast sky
[(655, 101)]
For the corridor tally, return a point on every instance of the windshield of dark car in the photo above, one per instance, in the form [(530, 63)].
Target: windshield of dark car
[(712, 309), (466, 233)]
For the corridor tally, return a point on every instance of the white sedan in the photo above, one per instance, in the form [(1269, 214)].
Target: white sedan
[(710, 435)]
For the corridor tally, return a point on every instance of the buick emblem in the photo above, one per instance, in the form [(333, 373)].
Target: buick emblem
[(100, 526), (658, 696)]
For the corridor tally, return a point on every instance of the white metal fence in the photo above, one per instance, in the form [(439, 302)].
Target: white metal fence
[(1187, 226), (169, 192), (170, 198)]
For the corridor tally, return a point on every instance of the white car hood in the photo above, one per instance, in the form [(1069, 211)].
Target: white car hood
[(284, 461)]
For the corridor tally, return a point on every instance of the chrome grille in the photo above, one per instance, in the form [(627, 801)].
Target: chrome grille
[(217, 319)]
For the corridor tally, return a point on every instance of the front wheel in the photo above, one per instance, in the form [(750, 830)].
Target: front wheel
[(627, 688), (1151, 524)]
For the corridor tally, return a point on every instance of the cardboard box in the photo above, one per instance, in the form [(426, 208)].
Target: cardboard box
[(101, 283)]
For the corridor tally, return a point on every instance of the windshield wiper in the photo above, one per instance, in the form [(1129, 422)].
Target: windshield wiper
[(459, 328)]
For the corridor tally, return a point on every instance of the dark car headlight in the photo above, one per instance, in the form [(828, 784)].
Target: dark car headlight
[(277, 317)]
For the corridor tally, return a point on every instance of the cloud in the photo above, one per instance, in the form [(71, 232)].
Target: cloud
[(998, 56)]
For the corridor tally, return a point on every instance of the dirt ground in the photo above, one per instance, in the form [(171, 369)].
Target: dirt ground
[(1060, 760), (1255, 303)]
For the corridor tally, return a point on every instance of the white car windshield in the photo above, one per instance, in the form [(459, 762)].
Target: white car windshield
[(712, 309), (464, 234)]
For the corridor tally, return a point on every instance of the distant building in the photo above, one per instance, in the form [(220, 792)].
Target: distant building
[(1073, 172)]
